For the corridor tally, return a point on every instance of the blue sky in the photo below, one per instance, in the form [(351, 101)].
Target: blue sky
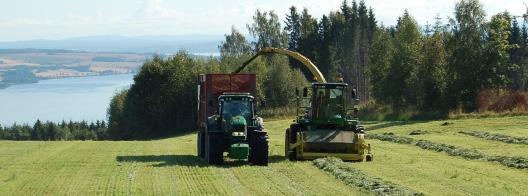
[(59, 19)]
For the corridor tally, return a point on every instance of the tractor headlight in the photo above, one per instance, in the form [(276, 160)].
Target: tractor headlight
[(236, 133)]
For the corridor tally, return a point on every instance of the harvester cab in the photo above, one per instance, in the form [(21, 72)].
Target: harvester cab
[(233, 126), (327, 125)]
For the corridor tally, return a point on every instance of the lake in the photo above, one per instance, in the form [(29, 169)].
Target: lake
[(76, 98)]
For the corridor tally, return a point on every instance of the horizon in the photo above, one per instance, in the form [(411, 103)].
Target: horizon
[(61, 19)]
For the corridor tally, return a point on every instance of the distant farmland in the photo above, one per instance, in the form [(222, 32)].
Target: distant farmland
[(17, 65)]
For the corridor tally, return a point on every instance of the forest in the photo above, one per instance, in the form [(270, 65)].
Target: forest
[(468, 64), (462, 64)]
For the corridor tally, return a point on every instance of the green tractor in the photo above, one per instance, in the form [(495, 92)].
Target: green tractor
[(324, 127), (234, 128)]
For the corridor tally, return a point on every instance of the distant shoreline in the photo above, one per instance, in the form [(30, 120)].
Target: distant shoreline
[(7, 85)]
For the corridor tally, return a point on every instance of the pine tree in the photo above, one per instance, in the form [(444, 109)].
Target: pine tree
[(401, 77), (517, 54), (467, 62), (381, 54)]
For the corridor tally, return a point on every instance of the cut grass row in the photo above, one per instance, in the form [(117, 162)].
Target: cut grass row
[(515, 162), (355, 177), (496, 137), (436, 173)]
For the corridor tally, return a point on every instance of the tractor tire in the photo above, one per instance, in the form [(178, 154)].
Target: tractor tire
[(291, 154), (213, 149), (259, 151), (201, 144)]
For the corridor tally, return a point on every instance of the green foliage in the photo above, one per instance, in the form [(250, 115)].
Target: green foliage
[(467, 62), (401, 76), (233, 50), (267, 31), (381, 54), (56, 131), (498, 51), (155, 104)]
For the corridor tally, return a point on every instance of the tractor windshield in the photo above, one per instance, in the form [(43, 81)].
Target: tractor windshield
[(329, 104), (233, 107)]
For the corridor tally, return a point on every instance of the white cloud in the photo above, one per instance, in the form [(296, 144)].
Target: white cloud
[(209, 16)]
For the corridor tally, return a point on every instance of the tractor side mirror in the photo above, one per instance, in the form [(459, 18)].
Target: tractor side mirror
[(354, 93), (263, 103), (305, 92)]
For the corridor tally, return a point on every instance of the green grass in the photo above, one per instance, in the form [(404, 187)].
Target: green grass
[(436, 173), (169, 166), (158, 167)]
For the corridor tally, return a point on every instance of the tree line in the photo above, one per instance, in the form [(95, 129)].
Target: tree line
[(437, 67), (433, 67), (56, 131), (443, 67)]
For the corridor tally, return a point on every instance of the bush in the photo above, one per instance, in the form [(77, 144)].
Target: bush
[(502, 100)]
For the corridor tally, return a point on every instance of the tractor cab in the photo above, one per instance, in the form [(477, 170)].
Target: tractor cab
[(236, 114), (233, 105)]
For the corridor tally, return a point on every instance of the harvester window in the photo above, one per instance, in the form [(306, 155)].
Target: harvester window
[(234, 108), (329, 103)]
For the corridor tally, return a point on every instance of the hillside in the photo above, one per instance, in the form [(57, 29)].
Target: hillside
[(169, 166)]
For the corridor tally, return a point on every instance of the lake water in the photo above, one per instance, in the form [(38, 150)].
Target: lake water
[(78, 98)]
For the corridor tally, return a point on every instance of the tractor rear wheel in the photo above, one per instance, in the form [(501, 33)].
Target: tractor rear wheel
[(259, 151), (201, 144), (213, 149)]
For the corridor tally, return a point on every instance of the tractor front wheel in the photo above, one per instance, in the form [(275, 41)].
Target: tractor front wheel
[(213, 149), (259, 151)]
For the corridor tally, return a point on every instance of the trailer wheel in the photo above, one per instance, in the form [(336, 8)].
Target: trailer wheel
[(213, 149), (259, 151)]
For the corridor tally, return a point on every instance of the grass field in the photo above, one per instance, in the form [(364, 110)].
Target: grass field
[(169, 166)]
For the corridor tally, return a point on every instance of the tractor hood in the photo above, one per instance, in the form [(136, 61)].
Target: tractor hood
[(237, 124)]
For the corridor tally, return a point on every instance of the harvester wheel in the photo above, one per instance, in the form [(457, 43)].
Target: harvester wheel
[(369, 157), (213, 149), (289, 153), (201, 144), (259, 151)]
